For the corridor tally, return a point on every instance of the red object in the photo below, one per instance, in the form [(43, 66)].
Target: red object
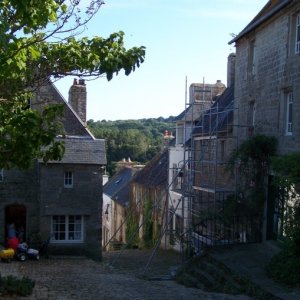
[(13, 243)]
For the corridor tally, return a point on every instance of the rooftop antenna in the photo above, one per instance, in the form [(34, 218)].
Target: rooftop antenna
[(203, 93), (185, 96)]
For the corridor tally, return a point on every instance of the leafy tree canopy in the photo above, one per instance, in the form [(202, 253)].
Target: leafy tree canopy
[(138, 140), (38, 44)]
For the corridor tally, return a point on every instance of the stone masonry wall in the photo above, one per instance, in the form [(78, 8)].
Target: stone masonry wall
[(84, 198), (20, 188), (277, 70)]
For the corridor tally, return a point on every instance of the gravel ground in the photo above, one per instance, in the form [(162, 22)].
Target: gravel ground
[(121, 275)]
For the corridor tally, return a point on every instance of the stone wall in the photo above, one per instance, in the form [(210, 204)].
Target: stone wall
[(276, 70), (84, 198), (20, 188), (48, 94)]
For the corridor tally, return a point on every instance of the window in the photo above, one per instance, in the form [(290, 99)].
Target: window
[(297, 34), (68, 180), (67, 228), (177, 177), (180, 134), (178, 225), (289, 113), (252, 58), (252, 110), (222, 150)]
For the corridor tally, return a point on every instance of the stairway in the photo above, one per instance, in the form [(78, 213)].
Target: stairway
[(206, 273)]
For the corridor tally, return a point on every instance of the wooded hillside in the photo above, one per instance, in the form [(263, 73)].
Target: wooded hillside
[(138, 140)]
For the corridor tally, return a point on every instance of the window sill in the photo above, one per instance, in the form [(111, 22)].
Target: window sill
[(52, 242)]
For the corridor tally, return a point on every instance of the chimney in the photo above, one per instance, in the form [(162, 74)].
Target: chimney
[(230, 69), (77, 98)]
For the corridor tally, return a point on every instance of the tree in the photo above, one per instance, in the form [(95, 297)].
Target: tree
[(39, 44)]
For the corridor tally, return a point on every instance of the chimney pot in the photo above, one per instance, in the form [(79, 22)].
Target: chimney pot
[(75, 81), (81, 82)]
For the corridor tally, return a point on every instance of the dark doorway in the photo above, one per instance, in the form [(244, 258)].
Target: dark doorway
[(15, 214), (275, 211)]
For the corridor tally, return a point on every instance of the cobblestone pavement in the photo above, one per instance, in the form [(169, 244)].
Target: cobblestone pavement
[(64, 278)]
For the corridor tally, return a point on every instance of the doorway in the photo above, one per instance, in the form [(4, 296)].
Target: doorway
[(15, 217)]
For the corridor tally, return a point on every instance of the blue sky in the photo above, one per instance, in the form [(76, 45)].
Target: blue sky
[(182, 38)]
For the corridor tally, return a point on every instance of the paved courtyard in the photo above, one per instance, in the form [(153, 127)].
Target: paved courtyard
[(63, 278)]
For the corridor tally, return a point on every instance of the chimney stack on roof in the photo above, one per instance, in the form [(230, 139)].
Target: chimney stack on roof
[(78, 98), (230, 69)]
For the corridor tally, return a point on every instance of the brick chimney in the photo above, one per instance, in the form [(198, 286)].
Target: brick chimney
[(77, 98), (230, 69)]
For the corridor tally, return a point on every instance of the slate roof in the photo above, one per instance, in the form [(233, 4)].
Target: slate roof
[(117, 188), (219, 117), (83, 150), (192, 113), (155, 173), (269, 10), (81, 147)]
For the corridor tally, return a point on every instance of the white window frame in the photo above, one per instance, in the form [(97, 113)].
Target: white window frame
[(297, 43), (289, 113), (67, 229), (68, 179), (179, 134)]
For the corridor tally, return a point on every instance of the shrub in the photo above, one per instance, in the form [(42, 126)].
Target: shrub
[(12, 285), (285, 268)]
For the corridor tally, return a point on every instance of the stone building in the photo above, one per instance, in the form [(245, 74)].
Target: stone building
[(267, 86), (60, 200), (116, 193), (149, 199)]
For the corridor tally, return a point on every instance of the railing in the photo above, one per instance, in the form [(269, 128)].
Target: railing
[(218, 231)]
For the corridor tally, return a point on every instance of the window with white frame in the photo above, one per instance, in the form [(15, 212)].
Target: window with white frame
[(177, 176), (68, 179), (289, 113), (67, 228), (179, 134), (297, 50)]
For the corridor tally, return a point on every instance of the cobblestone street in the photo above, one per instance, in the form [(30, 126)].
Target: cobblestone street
[(63, 278)]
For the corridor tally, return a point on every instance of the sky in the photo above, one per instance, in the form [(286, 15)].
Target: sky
[(186, 41)]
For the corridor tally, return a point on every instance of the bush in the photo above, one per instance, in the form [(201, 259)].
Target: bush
[(12, 285), (285, 268)]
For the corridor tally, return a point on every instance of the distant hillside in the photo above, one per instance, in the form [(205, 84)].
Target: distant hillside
[(138, 140)]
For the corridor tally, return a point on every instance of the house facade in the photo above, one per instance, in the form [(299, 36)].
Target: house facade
[(148, 206), (267, 86), (60, 200), (181, 157), (116, 194)]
